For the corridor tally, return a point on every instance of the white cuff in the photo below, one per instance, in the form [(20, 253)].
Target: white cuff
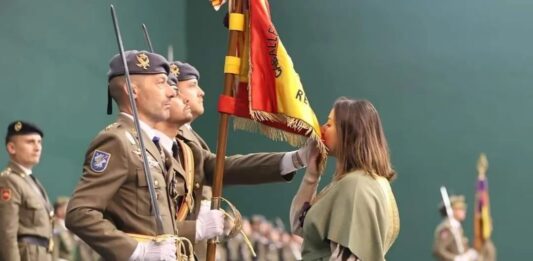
[(286, 164)]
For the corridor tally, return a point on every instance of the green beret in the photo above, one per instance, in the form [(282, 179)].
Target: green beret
[(22, 128), (139, 62), (184, 71)]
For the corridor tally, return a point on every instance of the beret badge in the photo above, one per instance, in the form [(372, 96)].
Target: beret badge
[(143, 60), (18, 126)]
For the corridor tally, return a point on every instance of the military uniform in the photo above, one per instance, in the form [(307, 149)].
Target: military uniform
[(25, 210), (445, 248), (64, 242), (26, 218), (112, 197)]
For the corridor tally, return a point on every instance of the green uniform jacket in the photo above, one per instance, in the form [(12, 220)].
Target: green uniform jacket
[(358, 212), (255, 168), (24, 210), (112, 198)]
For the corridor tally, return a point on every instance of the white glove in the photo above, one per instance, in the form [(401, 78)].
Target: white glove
[(210, 223), (151, 250), (469, 255)]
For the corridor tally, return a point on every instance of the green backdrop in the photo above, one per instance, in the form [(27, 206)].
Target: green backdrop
[(451, 79)]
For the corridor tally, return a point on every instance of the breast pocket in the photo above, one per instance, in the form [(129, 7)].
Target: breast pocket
[(32, 210), (144, 206)]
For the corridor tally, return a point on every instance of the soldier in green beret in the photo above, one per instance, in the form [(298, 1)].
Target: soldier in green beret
[(26, 213)]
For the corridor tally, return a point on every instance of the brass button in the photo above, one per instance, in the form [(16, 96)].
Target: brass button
[(197, 185), (156, 183)]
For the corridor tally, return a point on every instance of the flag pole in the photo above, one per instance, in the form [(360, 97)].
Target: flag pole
[(480, 202), (229, 80)]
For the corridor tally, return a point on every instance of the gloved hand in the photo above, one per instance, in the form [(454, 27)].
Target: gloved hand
[(469, 255), (151, 250), (210, 223)]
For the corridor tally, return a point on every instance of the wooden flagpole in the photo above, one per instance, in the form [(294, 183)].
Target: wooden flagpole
[(229, 80)]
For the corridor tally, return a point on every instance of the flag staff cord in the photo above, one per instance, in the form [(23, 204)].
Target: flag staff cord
[(229, 79)]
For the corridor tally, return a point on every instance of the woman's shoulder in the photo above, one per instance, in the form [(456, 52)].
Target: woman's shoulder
[(357, 182), (358, 177)]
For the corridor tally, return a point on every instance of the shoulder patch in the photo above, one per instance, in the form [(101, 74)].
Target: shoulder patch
[(100, 160), (5, 194)]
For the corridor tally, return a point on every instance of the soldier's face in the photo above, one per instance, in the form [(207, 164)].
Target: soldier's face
[(180, 111), (459, 214), (153, 97), (25, 149), (192, 92), (329, 133)]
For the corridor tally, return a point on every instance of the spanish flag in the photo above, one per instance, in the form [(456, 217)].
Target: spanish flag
[(269, 96), (482, 218)]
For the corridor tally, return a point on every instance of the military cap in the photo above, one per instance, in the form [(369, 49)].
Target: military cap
[(172, 76), (139, 62), (456, 202), (184, 71), (22, 128)]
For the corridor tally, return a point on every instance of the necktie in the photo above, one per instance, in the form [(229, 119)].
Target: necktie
[(155, 139), (175, 149), (37, 184)]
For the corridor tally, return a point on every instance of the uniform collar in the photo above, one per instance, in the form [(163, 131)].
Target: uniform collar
[(165, 141), (23, 169), (149, 131)]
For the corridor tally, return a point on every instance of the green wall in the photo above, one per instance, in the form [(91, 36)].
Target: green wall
[(53, 68), (451, 79)]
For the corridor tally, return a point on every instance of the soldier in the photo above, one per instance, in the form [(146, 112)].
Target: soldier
[(26, 213), (210, 223), (445, 247), (64, 242), (238, 169), (111, 203)]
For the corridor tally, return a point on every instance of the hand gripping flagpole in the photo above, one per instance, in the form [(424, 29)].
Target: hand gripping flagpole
[(148, 175), (449, 212), (235, 10)]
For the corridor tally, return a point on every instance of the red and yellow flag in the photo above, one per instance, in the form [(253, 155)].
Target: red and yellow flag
[(482, 218), (270, 97)]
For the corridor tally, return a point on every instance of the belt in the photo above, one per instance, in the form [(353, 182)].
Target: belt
[(35, 240)]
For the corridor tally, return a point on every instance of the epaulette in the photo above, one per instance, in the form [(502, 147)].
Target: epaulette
[(112, 125), (5, 172)]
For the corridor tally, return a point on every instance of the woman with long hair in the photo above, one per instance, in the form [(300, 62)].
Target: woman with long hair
[(355, 216)]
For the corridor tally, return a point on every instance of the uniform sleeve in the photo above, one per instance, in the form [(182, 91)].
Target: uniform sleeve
[(443, 242), (187, 228), (85, 213), (250, 169), (9, 219)]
